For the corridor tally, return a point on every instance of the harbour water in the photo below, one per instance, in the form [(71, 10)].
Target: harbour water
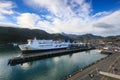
[(55, 68)]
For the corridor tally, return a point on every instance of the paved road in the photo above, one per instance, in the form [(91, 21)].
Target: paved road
[(91, 73)]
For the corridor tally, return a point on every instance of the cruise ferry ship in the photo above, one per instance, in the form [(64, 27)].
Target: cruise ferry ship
[(43, 45)]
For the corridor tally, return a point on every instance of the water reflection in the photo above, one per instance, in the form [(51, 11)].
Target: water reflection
[(26, 66), (70, 54), (56, 59), (46, 69), (88, 51)]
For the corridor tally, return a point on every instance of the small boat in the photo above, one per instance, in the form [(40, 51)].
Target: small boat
[(43, 45)]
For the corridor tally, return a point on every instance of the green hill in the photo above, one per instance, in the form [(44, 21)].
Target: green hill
[(20, 35), (10, 34)]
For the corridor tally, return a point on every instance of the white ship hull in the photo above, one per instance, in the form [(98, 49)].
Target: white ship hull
[(43, 45), (24, 47), (42, 50)]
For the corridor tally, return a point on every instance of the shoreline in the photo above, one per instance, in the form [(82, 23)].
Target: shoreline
[(100, 64)]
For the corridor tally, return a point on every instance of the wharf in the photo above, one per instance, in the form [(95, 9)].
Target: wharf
[(20, 60), (109, 64), (107, 52)]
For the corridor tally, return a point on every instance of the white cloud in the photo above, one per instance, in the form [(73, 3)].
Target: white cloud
[(69, 16), (6, 7), (109, 24), (62, 8), (101, 14), (7, 12), (73, 16), (2, 17), (66, 19), (7, 24), (27, 20), (44, 26)]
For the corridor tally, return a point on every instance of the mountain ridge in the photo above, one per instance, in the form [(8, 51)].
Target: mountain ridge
[(12, 34)]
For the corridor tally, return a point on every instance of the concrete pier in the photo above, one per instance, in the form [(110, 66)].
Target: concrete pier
[(20, 60)]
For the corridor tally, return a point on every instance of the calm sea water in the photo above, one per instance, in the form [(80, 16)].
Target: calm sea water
[(55, 68)]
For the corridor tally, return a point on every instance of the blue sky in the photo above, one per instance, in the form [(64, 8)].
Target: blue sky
[(100, 17)]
